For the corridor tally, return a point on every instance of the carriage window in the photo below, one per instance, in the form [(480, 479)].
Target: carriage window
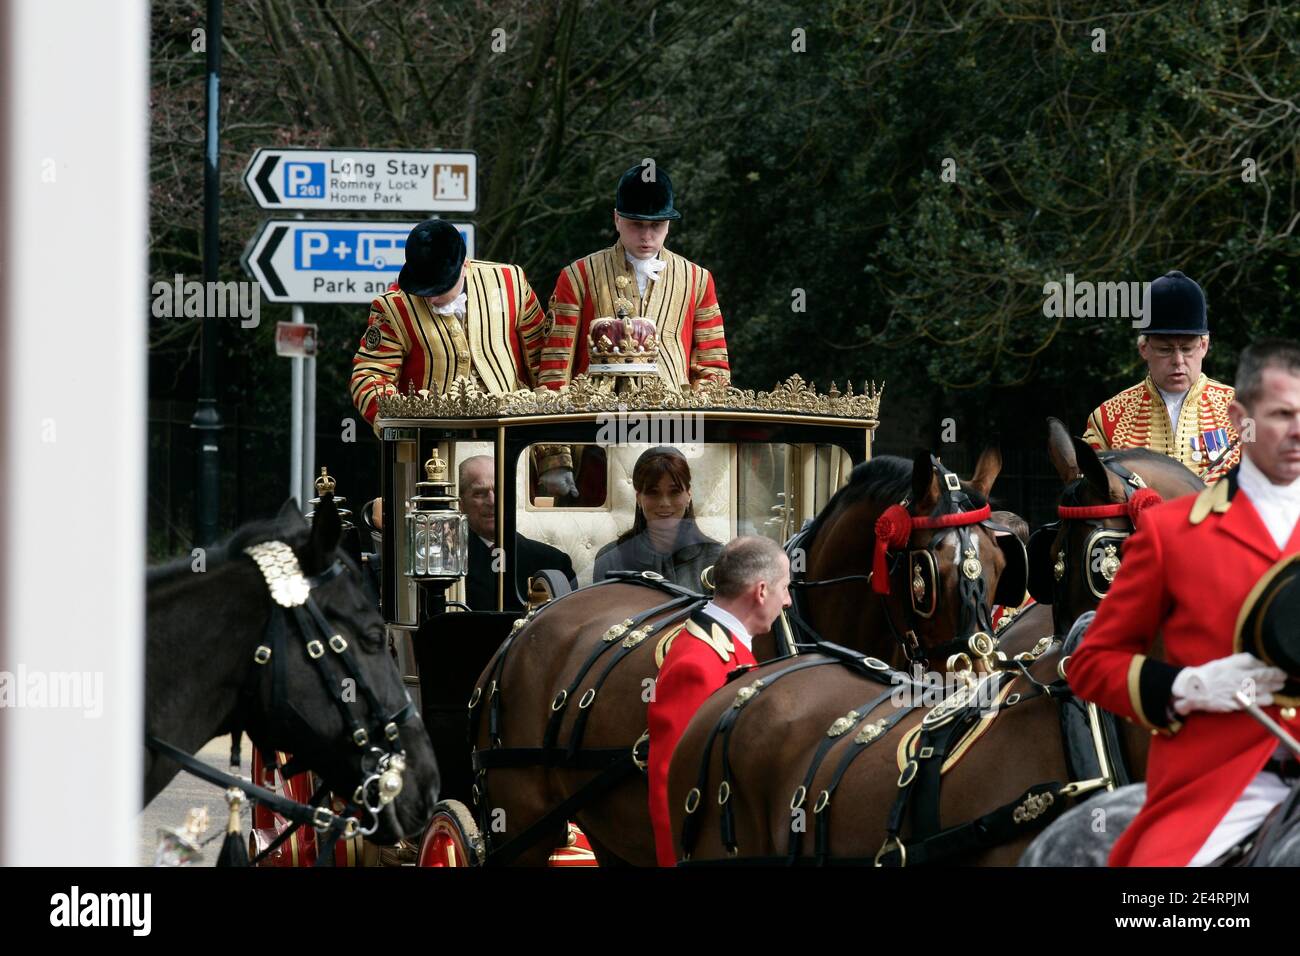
[(566, 476), (677, 535), (764, 497)]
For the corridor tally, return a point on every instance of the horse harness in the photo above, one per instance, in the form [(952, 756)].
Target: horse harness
[(1102, 550), (382, 766), (613, 765), (944, 731), (954, 512)]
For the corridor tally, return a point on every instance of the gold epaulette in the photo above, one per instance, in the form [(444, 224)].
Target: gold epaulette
[(1212, 499), (718, 639)]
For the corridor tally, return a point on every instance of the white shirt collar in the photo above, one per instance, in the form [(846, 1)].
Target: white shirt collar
[(646, 270), (731, 623), (455, 306), (1173, 403), (1278, 506), (1260, 488)]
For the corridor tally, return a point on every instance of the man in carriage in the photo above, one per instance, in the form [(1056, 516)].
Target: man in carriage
[(1176, 410), (751, 587), (1213, 773), (669, 290)]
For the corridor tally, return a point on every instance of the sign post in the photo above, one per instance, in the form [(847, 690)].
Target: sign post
[(340, 260), (346, 260), (364, 180)]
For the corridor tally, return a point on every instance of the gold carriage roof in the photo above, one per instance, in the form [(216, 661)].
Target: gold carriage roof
[(793, 397)]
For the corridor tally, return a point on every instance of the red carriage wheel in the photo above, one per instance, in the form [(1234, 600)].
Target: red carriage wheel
[(452, 838)]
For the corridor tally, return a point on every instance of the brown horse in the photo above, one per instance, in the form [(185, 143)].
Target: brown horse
[(565, 697), (762, 770)]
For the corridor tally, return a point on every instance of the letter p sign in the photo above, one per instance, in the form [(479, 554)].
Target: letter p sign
[(304, 180)]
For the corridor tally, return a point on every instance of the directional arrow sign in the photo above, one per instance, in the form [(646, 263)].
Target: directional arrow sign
[(317, 260), (364, 180)]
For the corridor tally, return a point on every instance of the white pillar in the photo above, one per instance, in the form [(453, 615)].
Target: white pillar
[(75, 299)]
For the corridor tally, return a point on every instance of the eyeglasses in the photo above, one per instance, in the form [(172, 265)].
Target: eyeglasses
[(1165, 352)]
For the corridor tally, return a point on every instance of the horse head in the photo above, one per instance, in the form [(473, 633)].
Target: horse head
[(1072, 561), (943, 580), (935, 560), (324, 685)]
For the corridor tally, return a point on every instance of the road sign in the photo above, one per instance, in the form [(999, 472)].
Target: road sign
[(318, 260), (295, 339), (364, 180)]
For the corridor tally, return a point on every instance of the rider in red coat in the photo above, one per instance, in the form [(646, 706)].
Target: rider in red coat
[(1213, 772), (751, 586)]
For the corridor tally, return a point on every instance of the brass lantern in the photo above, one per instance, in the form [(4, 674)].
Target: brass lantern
[(437, 534)]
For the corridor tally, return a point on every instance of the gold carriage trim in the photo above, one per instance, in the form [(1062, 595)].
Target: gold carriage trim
[(466, 399)]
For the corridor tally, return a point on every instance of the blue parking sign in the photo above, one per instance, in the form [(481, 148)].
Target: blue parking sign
[(304, 180), (366, 249)]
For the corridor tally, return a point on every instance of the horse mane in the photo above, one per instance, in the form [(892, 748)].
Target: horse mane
[(1176, 469), (232, 548)]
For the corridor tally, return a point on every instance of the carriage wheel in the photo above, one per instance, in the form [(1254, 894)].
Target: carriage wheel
[(452, 838)]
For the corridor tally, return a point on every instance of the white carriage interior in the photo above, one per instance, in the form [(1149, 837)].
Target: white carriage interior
[(737, 488)]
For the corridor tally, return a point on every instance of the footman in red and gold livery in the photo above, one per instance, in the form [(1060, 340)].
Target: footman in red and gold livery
[(671, 291), (1188, 576), (751, 586)]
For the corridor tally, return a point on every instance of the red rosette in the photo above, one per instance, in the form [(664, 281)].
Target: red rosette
[(893, 530), (1142, 499)]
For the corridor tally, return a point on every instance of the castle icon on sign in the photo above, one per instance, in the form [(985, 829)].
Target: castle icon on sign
[(450, 182)]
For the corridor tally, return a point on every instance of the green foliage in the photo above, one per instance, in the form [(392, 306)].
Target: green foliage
[(817, 170)]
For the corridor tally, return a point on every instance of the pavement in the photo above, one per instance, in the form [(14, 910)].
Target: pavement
[(171, 807)]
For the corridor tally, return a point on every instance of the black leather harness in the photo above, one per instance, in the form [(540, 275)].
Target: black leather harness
[(379, 764), (613, 765)]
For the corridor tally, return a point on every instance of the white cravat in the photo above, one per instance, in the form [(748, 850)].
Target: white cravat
[(1277, 505), (731, 623), (456, 306), (1173, 404), (647, 270)]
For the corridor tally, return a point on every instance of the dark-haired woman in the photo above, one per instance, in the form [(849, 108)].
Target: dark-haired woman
[(664, 537)]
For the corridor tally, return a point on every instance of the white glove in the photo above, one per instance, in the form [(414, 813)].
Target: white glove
[(558, 483), (1213, 686)]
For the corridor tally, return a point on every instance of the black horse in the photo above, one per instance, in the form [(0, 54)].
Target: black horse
[(203, 676)]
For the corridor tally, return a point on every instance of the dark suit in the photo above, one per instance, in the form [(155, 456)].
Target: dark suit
[(530, 557)]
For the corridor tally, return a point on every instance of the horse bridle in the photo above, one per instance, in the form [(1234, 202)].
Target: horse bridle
[(382, 766), (954, 512), (1104, 543)]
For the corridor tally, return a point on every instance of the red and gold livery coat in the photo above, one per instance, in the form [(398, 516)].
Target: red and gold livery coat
[(1197, 768), (682, 304), (501, 343), (1137, 418), (696, 663)]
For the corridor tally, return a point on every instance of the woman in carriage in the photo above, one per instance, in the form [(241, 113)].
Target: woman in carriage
[(664, 537)]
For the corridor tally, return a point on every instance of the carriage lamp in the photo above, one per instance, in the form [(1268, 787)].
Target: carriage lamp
[(325, 485), (437, 534)]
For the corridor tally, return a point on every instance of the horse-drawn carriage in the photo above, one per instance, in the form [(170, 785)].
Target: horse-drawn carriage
[(760, 463), (536, 701)]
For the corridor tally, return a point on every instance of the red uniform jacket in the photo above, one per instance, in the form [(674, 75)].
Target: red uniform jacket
[(696, 664), (682, 303), (1185, 574)]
